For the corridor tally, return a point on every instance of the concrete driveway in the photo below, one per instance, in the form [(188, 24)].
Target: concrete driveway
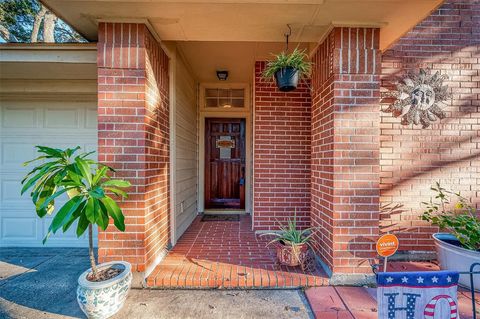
[(41, 283)]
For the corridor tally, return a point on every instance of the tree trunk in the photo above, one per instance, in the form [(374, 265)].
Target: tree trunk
[(5, 33), (91, 253), (49, 27), (36, 24)]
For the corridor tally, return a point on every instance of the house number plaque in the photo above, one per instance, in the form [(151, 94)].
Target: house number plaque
[(225, 145)]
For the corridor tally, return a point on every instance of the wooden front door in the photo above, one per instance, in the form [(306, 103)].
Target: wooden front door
[(224, 163)]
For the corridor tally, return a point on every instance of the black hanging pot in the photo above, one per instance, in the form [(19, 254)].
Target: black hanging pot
[(287, 79)]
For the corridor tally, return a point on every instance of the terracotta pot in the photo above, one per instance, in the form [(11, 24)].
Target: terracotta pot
[(291, 255)]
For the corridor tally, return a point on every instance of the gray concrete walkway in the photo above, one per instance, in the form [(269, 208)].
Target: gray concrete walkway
[(41, 283)]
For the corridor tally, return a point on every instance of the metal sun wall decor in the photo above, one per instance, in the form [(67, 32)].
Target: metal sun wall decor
[(417, 97)]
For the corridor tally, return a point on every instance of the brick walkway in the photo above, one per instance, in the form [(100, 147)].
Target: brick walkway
[(220, 254)]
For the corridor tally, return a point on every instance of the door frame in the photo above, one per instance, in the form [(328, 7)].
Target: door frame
[(248, 156)]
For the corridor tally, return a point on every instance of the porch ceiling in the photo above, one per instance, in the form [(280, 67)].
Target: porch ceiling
[(238, 58), (246, 20)]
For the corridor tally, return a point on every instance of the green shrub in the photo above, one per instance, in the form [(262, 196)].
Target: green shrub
[(461, 220)]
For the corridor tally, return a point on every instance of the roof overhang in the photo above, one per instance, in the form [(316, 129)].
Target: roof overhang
[(246, 20), (48, 71)]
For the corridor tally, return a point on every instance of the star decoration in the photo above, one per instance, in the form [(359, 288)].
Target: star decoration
[(449, 279), (404, 279), (417, 98), (389, 279), (420, 280), (434, 279)]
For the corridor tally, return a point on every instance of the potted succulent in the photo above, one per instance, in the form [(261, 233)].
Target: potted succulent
[(287, 69), (291, 243), (460, 247), (102, 289)]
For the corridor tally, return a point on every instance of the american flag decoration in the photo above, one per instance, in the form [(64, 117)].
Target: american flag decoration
[(417, 295)]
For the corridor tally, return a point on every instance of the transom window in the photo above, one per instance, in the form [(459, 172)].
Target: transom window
[(225, 97)]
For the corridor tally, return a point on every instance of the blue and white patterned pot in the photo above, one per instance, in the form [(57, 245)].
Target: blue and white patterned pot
[(100, 300)]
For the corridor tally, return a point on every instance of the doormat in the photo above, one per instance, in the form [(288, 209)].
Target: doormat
[(220, 218)]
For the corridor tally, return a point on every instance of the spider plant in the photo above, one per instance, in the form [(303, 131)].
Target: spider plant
[(290, 235), (298, 60), (86, 184)]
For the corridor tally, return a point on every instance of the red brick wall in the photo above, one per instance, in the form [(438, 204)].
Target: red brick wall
[(345, 148), (281, 154), (157, 152), (413, 158), (133, 138)]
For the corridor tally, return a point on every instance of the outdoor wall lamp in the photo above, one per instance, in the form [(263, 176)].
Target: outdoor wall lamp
[(222, 75)]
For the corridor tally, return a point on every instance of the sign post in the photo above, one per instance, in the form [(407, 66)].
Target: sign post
[(387, 245)]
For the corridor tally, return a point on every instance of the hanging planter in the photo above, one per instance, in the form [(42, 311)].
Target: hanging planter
[(287, 69), (287, 79)]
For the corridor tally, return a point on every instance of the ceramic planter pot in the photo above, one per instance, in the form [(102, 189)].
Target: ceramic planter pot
[(99, 300), (291, 255), (454, 257), (287, 79)]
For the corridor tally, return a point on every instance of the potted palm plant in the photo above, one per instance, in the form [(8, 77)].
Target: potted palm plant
[(291, 243), (102, 289), (287, 69), (460, 247)]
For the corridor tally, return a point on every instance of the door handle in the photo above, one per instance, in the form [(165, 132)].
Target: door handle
[(242, 176)]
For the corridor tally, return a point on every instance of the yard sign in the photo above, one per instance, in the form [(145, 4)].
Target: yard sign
[(387, 245), (417, 295)]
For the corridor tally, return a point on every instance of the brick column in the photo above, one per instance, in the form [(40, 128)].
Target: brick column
[(345, 150), (133, 138)]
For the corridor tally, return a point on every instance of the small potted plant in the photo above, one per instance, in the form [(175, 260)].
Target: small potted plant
[(102, 289), (460, 247), (287, 69), (291, 243)]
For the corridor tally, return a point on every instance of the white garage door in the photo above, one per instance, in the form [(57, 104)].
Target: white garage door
[(25, 124)]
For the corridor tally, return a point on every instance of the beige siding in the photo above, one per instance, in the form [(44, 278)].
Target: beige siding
[(186, 170)]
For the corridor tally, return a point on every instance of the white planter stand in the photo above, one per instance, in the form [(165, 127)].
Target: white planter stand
[(100, 300), (456, 258)]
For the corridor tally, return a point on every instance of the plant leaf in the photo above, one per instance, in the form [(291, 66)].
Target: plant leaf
[(64, 214), (116, 183), (90, 211), (97, 192), (103, 219), (82, 225), (101, 172), (75, 216), (117, 191), (84, 169), (115, 212), (45, 203)]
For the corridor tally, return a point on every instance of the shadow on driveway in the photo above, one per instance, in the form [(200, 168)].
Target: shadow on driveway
[(40, 283), (36, 280)]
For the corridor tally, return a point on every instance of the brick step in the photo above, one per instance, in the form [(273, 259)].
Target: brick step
[(204, 274)]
